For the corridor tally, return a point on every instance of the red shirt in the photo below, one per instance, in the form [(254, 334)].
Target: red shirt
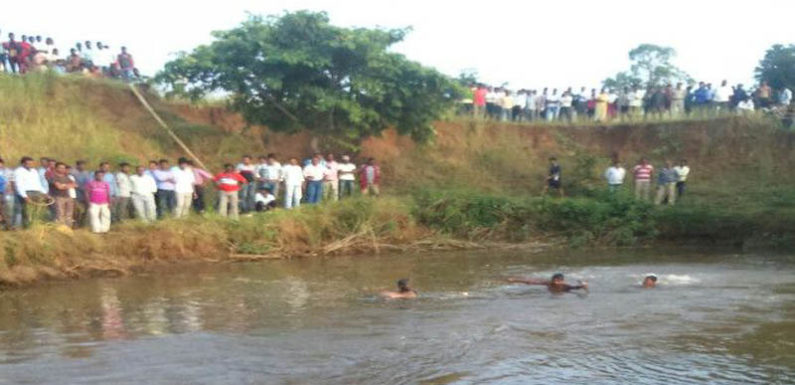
[(229, 181), (24, 49), (480, 97), (125, 60)]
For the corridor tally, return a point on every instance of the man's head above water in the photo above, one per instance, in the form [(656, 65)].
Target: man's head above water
[(650, 280)]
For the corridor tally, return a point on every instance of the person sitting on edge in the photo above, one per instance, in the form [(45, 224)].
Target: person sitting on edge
[(554, 285), (264, 200), (403, 291), (650, 281)]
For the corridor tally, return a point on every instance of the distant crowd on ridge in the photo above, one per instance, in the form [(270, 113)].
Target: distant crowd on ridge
[(500, 103), (36, 54)]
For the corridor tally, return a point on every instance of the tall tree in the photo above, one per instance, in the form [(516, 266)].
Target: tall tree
[(298, 71), (651, 67), (778, 67)]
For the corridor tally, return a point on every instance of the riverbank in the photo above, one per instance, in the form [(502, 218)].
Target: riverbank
[(428, 220)]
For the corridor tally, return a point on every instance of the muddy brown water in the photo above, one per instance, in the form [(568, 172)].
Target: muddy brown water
[(716, 318)]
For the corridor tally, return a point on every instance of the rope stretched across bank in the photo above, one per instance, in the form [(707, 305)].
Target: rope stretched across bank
[(165, 126)]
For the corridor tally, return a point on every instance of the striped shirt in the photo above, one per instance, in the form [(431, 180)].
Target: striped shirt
[(643, 172)]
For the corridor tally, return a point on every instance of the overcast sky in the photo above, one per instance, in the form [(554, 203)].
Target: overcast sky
[(526, 43)]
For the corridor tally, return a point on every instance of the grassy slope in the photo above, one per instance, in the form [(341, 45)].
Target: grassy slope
[(478, 180)]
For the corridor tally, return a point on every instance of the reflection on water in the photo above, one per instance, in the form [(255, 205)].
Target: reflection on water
[(713, 319)]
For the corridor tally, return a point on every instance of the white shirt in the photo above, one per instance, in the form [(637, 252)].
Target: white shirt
[(313, 172), (143, 184), (27, 180), (346, 171), (786, 96), (264, 199), (72, 191), (88, 55), (531, 102), (183, 180), (520, 100), (293, 175), (123, 182), (272, 172), (636, 98), (746, 105), (565, 100), (723, 93), (615, 175), (682, 172)]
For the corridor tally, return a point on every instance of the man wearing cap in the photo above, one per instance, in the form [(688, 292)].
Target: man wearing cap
[(347, 176)]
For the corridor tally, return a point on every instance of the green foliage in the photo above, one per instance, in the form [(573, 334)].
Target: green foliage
[(585, 177), (298, 72), (608, 219), (651, 67), (778, 67)]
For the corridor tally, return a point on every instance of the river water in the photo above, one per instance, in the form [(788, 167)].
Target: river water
[(715, 318)]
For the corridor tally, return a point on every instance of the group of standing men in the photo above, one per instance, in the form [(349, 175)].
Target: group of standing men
[(671, 180), (74, 196), (499, 103)]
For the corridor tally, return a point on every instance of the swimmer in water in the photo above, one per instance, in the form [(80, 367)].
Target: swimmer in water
[(403, 292), (650, 281), (554, 285)]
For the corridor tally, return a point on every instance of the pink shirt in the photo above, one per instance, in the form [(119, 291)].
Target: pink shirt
[(200, 176), (643, 172), (98, 192), (332, 172)]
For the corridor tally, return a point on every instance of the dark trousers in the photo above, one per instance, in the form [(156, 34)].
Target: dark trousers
[(680, 189), (565, 113), (198, 199), (263, 207), (314, 190), (166, 202), (24, 209), (346, 188)]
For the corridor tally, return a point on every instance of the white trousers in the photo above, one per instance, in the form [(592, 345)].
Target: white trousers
[(99, 217), (184, 201), (292, 196), (145, 207)]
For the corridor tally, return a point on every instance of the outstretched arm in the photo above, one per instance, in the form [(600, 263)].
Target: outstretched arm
[(528, 281)]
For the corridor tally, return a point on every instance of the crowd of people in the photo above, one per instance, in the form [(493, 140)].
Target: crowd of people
[(30, 53), (76, 196), (500, 103), (671, 180)]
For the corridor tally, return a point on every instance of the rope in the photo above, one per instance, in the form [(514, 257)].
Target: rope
[(41, 200), (165, 126)]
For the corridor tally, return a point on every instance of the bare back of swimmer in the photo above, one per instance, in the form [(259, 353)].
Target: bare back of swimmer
[(554, 285), (403, 292)]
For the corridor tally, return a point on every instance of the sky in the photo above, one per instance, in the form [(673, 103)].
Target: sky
[(527, 44)]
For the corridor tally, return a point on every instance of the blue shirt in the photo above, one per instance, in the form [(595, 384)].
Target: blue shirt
[(3, 183), (666, 176), (701, 95), (45, 184)]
